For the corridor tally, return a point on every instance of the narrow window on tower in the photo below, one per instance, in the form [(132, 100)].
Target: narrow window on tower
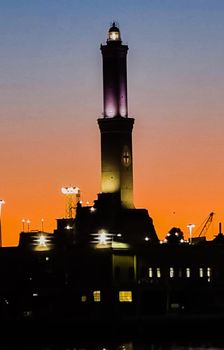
[(126, 156), (150, 272)]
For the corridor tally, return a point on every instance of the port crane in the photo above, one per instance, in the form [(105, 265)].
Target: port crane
[(205, 225)]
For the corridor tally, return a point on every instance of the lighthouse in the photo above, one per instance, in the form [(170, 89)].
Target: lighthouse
[(113, 217), (115, 125)]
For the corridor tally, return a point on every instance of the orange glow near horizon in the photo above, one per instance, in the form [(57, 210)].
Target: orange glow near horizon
[(34, 192), (178, 168), (52, 94)]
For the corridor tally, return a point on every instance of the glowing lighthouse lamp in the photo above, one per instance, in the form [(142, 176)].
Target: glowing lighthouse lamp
[(114, 33)]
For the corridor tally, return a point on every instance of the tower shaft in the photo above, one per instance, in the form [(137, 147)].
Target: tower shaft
[(115, 80), (116, 158), (116, 127)]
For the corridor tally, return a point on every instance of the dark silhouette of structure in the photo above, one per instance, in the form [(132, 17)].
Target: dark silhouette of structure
[(113, 211)]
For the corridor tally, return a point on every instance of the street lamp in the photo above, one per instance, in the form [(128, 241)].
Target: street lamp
[(23, 224), (28, 225), (190, 226), (1, 203)]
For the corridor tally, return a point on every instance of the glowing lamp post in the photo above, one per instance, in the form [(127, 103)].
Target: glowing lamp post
[(190, 226), (28, 225), (23, 224), (1, 203)]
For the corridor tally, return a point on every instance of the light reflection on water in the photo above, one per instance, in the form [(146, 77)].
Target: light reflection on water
[(135, 346)]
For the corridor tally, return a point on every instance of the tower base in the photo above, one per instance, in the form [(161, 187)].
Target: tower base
[(129, 226)]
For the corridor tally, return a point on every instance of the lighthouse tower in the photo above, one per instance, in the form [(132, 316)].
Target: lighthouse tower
[(115, 126), (113, 212)]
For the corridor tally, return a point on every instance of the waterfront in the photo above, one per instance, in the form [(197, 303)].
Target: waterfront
[(52, 336)]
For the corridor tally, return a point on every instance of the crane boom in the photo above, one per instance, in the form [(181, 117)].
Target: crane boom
[(206, 224)]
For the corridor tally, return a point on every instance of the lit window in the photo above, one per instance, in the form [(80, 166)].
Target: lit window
[(125, 296), (83, 298), (150, 272), (180, 272), (209, 274), (158, 272), (188, 272), (201, 272), (171, 272), (96, 296)]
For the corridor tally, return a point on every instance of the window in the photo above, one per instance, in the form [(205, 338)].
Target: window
[(150, 272), (158, 272), (188, 272), (125, 296), (209, 274), (83, 298), (201, 272), (171, 272), (96, 296)]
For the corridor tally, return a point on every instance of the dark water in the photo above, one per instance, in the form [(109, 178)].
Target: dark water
[(112, 336), (200, 345), (127, 346)]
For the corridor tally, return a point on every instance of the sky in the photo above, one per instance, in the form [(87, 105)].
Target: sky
[(51, 97)]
